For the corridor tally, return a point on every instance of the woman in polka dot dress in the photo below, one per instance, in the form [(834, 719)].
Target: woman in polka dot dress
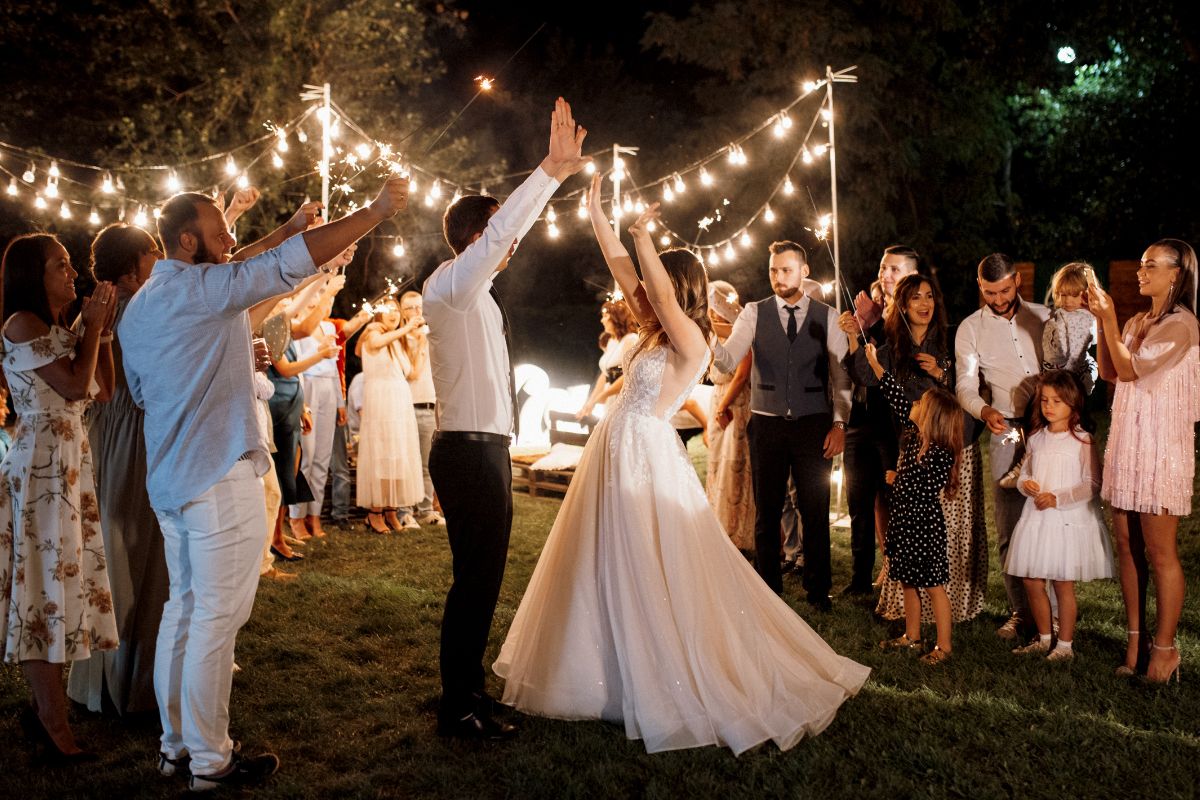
[(916, 536)]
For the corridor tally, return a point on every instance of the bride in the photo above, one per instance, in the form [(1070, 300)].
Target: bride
[(640, 608)]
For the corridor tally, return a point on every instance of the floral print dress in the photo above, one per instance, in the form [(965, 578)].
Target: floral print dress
[(55, 603)]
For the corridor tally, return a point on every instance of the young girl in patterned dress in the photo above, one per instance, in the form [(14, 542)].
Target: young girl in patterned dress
[(916, 536)]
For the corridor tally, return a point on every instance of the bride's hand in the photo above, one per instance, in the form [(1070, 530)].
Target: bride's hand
[(641, 225)]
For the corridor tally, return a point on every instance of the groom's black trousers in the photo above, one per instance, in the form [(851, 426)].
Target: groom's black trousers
[(473, 480)]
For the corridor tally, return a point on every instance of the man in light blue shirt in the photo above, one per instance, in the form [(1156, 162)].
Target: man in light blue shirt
[(185, 338)]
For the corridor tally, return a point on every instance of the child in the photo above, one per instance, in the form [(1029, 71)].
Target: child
[(1071, 330), (1068, 335), (916, 536), (1060, 536)]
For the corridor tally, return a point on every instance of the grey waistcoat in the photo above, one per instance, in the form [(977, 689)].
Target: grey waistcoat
[(790, 379)]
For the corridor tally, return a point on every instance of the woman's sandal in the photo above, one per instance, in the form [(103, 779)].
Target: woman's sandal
[(901, 642), (1174, 671)]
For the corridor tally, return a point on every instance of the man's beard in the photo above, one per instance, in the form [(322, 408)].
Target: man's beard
[(204, 255)]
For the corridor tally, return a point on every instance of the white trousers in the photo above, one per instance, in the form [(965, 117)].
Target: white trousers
[(321, 395), (213, 550)]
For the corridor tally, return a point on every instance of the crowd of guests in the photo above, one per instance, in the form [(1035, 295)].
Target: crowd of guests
[(905, 397), (133, 531)]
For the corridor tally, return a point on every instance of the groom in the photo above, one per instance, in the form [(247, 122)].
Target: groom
[(469, 461), (800, 398)]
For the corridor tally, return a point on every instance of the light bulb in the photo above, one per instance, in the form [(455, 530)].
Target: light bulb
[(139, 218), (412, 185), (705, 178), (52, 189), (398, 250), (769, 215), (639, 207), (363, 150), (806, 156), (231, 167), (820, 149), (665, 240), (157, 213), (786, 120), (713, 258), (733, 154), (627, 205), (30, 174), (94, 217), (429, 200), (730, 254), (550, 215), (826, 114), (590, 168), (54, 173), (680, 186), (172, 182), (64, 211), (824, 220), (276, 161), (39, 203), (282, 144), (106, 185), (746, 240), (436, 191), (808, 86), (788, 188), (668, 194), (778, 129), (301, 136), (12, 188), (243, 181), (552, 230), (582, 212), (651, 227)]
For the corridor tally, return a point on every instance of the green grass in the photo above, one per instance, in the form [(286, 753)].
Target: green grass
[(339, 677)]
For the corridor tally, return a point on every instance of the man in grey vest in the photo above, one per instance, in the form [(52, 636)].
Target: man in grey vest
[(800, 397)]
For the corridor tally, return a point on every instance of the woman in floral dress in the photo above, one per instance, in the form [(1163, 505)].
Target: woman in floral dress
[(55, 603)]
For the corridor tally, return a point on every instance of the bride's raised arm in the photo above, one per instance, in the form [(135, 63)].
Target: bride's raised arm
[(617, 257), (685, 335)]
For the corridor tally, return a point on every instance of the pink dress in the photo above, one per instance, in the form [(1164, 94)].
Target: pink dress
[(1150, 461)]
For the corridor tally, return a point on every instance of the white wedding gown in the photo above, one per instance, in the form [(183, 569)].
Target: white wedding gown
[(642, 610)]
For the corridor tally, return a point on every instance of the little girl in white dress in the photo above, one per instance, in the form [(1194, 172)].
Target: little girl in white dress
[(1061, 535)]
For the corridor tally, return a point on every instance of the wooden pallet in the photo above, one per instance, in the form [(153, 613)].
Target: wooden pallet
[(552, 481)]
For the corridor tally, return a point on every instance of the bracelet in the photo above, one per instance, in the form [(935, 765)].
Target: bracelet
[(106, 338)]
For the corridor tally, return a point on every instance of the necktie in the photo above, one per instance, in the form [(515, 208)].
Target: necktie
[(791, 328), (512, 377)]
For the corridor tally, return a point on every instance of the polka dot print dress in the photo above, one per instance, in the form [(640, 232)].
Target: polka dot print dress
[(916, 536)]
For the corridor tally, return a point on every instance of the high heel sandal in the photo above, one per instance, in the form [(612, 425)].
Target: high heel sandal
[(901, 642), (45, 748), (1173, 672), (372, 528), (1126, 671)]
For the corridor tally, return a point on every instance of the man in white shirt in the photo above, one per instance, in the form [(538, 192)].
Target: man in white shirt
[(998, 350), (800, 398), (469, 460)]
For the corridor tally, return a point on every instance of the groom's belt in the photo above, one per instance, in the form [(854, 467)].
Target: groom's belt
[(472, 436)]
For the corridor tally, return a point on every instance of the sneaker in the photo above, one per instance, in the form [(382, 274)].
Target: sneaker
[(174, 766), (1061, 654), (1010, 629), (432, 518), (1036, 647), (242, 771), (409, 522)]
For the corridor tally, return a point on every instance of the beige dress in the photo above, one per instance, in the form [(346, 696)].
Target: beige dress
[(728, 484), (55, 603), (389, 446)]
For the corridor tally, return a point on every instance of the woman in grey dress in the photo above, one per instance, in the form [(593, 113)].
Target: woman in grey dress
[(123, 679)]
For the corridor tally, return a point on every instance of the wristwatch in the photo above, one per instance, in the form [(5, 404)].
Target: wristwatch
[(840, 425)]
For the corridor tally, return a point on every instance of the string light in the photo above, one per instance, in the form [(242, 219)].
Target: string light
[(282, 144), (139, 218), (820, 149), (769, 215), (64, 211), (651, 227), (243, 181), (157, 213), (173, 184), (705, 178), (276, 161), (398, 249), (363, 150), (627, 205), (582, 211), (52, 189), (590, 168), (54, 173), (788, 188), (30, 174), (39, 203), (106, 184), (436, 190), (779, 130), (730, 253), (713, 258), (806, 156), (231, 167), (94, 217), (665, 240), (639, 207), (668, 194), (550, 215), (12, 188), (746, 240), (552, 230), (680, 186), (826, 114), (809, 86)]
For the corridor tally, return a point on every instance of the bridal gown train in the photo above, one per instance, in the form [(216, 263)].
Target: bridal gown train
[(641, 610)]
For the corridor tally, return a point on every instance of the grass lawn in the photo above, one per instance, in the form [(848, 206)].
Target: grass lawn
[(339, 677)]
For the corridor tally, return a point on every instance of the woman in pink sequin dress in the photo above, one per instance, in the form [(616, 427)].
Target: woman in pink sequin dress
[(1149, 463)]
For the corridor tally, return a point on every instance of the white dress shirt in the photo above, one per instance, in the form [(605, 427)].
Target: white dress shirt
[(1005, 355), (728, 355), (467, 351)]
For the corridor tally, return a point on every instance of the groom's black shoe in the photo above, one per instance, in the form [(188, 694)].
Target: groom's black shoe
[(820, 602), (481, 727), (861, 589)]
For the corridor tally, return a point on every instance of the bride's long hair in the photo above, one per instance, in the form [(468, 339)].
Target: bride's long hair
[(690, 281)]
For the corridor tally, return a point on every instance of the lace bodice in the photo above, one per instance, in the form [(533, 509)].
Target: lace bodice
[(644, 391)]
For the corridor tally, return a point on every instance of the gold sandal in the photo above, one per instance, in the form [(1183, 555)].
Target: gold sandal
[(900, 643), (935, 656)]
